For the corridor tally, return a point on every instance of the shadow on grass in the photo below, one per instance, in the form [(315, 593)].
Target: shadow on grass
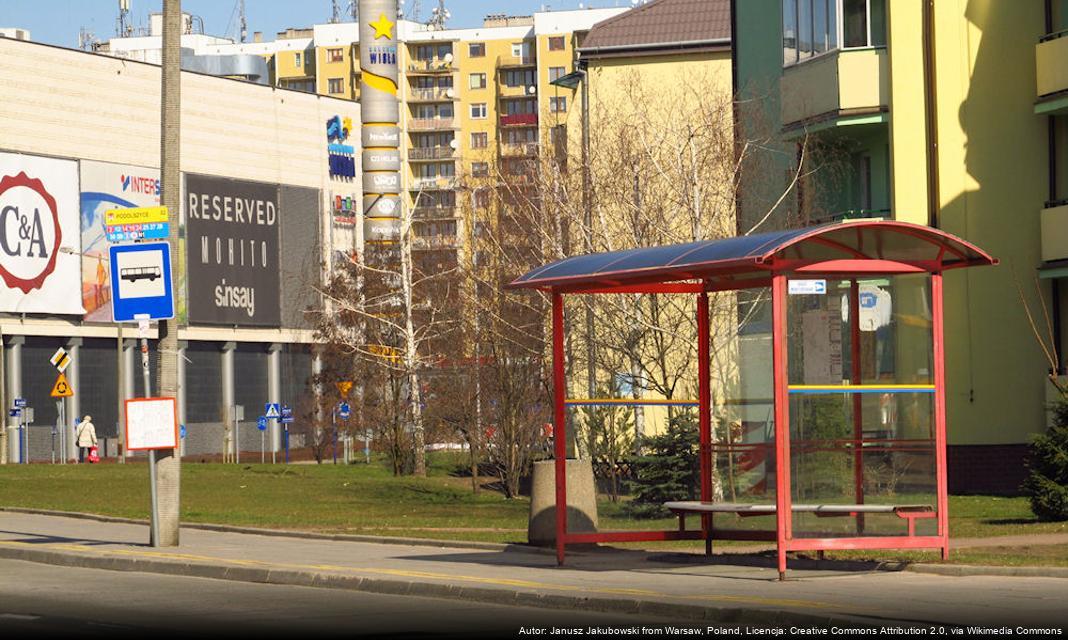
[(1011, 521)]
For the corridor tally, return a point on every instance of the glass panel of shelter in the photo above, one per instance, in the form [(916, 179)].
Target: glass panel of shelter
[(861, 388)]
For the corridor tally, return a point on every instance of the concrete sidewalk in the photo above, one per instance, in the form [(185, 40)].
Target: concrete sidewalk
[(658, 584)]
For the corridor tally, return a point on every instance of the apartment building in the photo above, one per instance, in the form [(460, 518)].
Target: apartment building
[(941, 114), (472, 98)]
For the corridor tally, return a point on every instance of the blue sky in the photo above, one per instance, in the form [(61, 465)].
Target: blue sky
[(58, 21)]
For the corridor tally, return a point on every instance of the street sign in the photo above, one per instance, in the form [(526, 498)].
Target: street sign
[(181, 431), (134, 232), (287, 414), (344, 387), (239, 412), (136, 215), (261, 424), (20, 402), (60, 359), (151, 423), (141, 281), (270, 411), (14, 413), (61, 389), (344, 410)]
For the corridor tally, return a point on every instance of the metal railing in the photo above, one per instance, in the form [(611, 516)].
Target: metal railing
[(431, 124), (433, 183), (435, 242), (433, 65), (430, 153), (437, 94), (852, 214), (516, 61), (520, 149), (434, 212), (519, 120)]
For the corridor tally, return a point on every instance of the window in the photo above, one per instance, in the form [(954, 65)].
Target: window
[(478, 81), (477, 49), (512, 107), (480, 169), (813, 27), (478, 110), (335, 55), (519, 78), (555, 73), (521, 50), (556, 43), (558, 105), (336, 85), (482, 198), (296, 59), (479, 140)]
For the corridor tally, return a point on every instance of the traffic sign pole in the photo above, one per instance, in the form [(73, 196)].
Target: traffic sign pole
[(142, 332)]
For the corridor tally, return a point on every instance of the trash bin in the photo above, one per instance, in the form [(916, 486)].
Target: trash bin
[(581, 501)]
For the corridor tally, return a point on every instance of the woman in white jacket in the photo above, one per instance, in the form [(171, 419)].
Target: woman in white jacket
[(85, 434)]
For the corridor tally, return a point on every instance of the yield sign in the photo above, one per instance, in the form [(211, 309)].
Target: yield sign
[(343, 387), (61, 389)]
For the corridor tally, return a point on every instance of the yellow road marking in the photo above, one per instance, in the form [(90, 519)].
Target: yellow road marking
[(508, 582)]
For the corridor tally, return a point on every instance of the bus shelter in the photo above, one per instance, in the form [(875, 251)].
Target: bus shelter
[(851, 451)]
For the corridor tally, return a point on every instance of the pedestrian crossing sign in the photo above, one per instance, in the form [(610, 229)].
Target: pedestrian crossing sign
[(61, 389), (271, 411)]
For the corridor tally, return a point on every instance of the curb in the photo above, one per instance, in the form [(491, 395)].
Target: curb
[(485, 595), (304, 535), (966, 570)]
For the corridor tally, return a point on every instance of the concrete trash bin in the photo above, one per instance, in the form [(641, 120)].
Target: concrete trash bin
[(581, 501)]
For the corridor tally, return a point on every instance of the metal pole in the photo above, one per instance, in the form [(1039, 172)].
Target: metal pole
[(704, 396), (333, 423), (782, 427), (559, 430), (237, 437), (263, 446), (286, 429), (942, 483), (142, 331), (120, 393)]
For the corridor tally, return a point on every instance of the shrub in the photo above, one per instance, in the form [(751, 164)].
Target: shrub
[(668, 470), (1047, 486)]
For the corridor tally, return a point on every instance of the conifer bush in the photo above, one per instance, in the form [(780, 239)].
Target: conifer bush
[(668, 470), (1047, 486)]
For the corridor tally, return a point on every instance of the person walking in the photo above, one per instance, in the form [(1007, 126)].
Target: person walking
[(85, 435)]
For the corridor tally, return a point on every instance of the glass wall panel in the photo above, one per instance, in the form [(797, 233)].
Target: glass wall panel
[(804, 29), (789, 32), (855, 23)]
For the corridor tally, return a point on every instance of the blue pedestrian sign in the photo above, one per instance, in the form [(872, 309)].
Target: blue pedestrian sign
[(344, 410), (20, 402), (141, 281), (181, 431), (261, 424), (287, 414), (15, 413), (271, 412)]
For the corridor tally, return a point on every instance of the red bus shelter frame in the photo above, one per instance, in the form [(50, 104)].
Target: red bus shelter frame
[(842, 251)]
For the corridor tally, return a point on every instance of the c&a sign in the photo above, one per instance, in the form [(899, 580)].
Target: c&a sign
[(38, 217)]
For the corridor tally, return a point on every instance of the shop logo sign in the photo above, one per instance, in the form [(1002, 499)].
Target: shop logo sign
[(30, 235), (139, 184)]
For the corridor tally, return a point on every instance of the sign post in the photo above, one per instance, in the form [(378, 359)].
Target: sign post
[(141, 291), (239, 415), (261, 424)]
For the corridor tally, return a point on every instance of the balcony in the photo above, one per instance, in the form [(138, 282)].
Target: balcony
[(433, 67), (435, 242), (516, 61), (431, 124), (519, 120), (438, 94), (841, 87), (519, 149), (1051, 74), (434, 212), (430, 153), (433, 184), (1054, 224)]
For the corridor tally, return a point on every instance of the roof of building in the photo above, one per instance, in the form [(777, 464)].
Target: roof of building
[(664, 22), (834, 246)]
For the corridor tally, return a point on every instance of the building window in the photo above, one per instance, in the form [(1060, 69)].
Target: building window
[(479, 140), (336, 85), (335, 55), (556, 43), (555, 73), (296, 59), (477, 49), (478, 81), (519, 78), (558, 105), (478, 111), (813, 27), (480, 169)]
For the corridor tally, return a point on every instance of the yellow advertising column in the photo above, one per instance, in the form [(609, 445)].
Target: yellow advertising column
[(380, 114)]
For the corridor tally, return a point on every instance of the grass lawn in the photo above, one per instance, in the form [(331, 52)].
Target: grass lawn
[(367, 499)]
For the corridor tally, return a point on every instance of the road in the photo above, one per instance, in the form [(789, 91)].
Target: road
[(45, 600)]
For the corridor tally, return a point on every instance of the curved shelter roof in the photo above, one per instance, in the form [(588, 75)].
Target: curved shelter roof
[(866, 246)]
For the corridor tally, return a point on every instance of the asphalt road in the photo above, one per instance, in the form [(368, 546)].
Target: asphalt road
[(39, 600)]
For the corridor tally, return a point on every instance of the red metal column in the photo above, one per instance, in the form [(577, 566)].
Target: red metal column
[(559, 425), (704, 402), (783, 515), (937, 330), (858, 418)]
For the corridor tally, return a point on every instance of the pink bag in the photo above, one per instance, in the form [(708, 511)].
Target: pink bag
[(94, 455)]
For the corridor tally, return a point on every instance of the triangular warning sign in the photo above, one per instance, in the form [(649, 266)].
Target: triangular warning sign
[(343, 387), (61, 389), (272, 411)]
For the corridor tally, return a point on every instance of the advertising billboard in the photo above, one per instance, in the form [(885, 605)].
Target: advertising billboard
[(301, 271), (38, 217), (105, 187), (232, 251), (379, 114)]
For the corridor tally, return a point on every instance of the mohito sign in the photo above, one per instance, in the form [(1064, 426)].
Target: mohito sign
[(38, 217)]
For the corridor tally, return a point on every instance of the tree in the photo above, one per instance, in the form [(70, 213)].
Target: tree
[(1047, 484), (669, 471)]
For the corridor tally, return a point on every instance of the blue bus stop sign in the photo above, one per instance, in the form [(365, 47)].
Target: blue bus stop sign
[(344, 410), (181, 431), (261, 424)]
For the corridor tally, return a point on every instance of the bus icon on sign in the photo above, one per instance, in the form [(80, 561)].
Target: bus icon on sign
[(133, 274)]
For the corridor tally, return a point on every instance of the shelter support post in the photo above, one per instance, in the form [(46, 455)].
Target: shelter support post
[(937, 322), (704, 399), (858, 416), (783, 513), (559, 425)]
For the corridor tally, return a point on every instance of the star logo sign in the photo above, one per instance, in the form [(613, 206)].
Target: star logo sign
[(383, 27)]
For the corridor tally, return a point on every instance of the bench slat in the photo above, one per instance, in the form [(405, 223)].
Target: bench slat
[(734, 507)]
